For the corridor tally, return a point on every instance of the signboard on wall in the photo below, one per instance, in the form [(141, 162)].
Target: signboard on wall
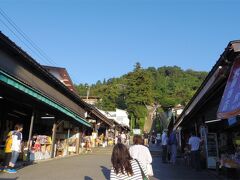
[(230, 102), (137, 131)]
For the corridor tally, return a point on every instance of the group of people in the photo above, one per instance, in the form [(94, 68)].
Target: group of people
[(133, 163), (153, 138), (169, 148), (122, 138), (12, 149)]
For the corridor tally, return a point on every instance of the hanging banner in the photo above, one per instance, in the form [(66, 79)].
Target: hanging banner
[(230, 102)]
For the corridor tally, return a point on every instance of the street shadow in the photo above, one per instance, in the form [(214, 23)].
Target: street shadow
[(9, 178), (22, 165), (88, 178), (106, 172)]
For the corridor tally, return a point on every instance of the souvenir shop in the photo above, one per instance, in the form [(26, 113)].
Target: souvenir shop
[(213, 113)]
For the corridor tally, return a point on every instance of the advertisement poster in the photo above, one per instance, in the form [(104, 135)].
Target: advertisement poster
[(230, 102)]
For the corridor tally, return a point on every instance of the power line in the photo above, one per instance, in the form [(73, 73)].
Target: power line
[(26, 38), (32, 46), (17, 36)]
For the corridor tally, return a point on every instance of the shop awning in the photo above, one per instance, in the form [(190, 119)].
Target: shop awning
[(9, 80), (230, 102)]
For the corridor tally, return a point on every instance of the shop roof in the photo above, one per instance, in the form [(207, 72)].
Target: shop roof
[(11, 46), (219, 70), (62, 75)]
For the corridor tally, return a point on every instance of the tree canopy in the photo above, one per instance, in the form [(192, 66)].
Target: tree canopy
[(166, 86)]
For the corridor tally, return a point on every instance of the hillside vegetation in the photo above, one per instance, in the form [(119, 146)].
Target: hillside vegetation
[(166, 86)]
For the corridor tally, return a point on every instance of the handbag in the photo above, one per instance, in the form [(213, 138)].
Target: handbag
[(149, 170), (144, 177)]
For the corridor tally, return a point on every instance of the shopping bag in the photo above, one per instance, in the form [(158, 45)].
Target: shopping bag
[(149, 170)]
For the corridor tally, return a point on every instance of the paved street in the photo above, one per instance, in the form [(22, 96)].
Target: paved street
[(82, 167), (95, 166)]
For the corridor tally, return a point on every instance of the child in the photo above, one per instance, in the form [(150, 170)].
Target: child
[(7, 150), (16, 147)]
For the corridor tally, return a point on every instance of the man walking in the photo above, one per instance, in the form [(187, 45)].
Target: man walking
[(194, 145), (173, 147), (164, 146)]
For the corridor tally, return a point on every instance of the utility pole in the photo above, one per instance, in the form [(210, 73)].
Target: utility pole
[(88, 92)]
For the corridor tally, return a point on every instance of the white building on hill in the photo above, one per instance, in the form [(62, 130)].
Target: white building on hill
[(120, 116)]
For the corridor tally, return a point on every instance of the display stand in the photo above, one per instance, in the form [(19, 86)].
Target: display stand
[(212, 150)]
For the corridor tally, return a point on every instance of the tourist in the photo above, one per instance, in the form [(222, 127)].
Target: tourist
[(7, 150), (123, 138), (153, 137), (16, 147), (145, 137), (124, 166), (141, 153), (116, 139), (173, 147), (164, 145), (194, 146), (128, 139), (158, 139)]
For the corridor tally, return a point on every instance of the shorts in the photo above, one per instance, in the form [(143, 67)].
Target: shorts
[(14, 157), (7, 158)]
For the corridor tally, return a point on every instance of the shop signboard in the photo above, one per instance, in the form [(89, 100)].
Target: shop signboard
[(230, 102)]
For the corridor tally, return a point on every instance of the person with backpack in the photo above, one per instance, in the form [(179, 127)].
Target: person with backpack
[(7, 151), (16, 147)]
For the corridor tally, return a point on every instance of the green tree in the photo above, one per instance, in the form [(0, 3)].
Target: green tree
[(138, 93), (167, 86)]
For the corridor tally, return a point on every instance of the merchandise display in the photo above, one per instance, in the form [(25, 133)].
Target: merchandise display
[(41, 148)]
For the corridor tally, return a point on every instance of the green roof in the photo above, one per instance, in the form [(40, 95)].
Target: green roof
[(6, 78)]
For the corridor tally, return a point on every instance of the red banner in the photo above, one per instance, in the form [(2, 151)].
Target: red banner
[(230, 102)]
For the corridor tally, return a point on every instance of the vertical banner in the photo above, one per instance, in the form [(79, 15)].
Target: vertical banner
[(230, 102)]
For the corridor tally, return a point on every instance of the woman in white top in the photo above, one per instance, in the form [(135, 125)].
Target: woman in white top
[(140, 152), (124, 167)]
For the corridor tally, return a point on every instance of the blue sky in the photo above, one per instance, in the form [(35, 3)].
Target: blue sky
[(97, 39)]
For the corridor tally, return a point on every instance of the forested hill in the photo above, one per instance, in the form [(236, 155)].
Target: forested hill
[(166, 86)]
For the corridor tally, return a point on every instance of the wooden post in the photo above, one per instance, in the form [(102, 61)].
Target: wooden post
[(196, 129), (68, 136), (30, 130), (30, 136), (54, 129)]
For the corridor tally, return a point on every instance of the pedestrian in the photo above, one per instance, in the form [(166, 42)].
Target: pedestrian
[(128, 140), (145, 136), (7, 151), (173, 147), (153, 138), (158, 138), (164, 145), (116, 139), (124, 166), (194, 143), (123, 138), (16, 147), (141, 153)]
